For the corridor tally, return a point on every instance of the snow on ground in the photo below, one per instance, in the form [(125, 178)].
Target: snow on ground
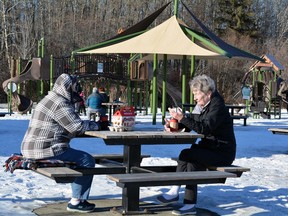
[(262, 191)]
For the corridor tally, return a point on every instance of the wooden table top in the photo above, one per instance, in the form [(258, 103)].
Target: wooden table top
[(145, 137), (115, 104), (235, 106)]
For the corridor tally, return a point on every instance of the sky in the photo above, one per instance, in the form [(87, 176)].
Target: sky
[(261, 192)]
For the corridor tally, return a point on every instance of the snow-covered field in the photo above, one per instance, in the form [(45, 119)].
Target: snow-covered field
[(262, 191)]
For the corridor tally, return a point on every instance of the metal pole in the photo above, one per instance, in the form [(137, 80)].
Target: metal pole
[(154, 89), (192, 74), (51, 72), (176, 4), (164, 89), (184, 79), (42, 56)]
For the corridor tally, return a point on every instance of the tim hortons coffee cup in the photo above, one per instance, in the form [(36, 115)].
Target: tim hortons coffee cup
[(173, 124)]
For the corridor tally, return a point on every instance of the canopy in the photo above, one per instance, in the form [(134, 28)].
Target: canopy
[(166, 38), (172, 37)]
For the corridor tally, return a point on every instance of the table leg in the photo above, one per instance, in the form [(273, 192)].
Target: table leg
[(130, 199), (131, 156), (131, 194), (110, 113)]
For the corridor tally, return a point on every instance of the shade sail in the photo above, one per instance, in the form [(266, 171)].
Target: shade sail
[(166, 38)]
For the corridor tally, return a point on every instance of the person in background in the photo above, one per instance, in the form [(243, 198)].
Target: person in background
[(94, 103), (82, 107), (211, 118), (78, 90), (104, 98), (53, 124)]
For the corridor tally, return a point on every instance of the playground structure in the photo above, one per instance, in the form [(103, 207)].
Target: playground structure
[(267, 87), (91, 70), (31, 71)]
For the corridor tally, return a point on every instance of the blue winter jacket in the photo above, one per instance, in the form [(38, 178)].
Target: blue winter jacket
[(94, 101)]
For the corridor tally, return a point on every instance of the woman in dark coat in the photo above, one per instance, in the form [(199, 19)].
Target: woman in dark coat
[(211, 118)]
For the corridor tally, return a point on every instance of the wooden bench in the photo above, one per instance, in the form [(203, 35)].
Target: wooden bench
[(238, 170), (244, 117), (131, 183), (68, 175), (2, 114), (231, 169), (113, 165), (59, 174)]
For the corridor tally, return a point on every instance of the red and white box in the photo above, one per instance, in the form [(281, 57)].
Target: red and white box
[(123, 119)]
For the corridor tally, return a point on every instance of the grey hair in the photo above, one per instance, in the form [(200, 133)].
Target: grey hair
[(203, 83), (94, 90)]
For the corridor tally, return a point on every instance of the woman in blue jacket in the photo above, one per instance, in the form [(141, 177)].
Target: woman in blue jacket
[(94, 103)]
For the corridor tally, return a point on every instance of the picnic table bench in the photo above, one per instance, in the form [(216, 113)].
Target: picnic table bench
[(244, 117), (283, 131), (234, 116), (231, 169), (67, 175), (2, 114), (131, 182), (113, 164)]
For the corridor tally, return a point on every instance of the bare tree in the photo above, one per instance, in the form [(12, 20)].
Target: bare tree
[(7, 34)]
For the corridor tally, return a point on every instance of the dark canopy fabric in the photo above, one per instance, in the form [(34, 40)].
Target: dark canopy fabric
[(233, 51), (131, 32), (142, 25)]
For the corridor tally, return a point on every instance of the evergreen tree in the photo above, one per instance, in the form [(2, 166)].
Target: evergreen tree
[(237, 15)]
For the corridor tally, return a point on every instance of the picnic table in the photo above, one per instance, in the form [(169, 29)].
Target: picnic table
[(137, 176), (283, 131), (111, 106), (132, 142), (232, 108), (128, 173)]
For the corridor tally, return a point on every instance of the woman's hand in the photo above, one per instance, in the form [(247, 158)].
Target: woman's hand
[(176, 114), (167, 125)]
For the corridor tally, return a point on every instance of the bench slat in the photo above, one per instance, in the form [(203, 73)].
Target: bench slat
[(232, 169), (54, 172), (59, 174), (67, 175), (152, 178), (130, 183)]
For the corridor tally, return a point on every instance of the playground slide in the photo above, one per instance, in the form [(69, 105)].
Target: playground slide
[(283, 91), (173, 92), (31, 71)]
